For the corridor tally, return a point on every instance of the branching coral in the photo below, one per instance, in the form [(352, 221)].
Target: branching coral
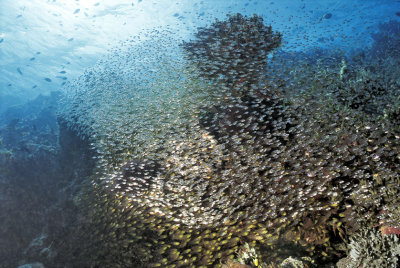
[(369, 248)]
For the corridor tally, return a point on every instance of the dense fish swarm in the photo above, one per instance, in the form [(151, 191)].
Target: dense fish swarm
[(233, 51), (201, 150)]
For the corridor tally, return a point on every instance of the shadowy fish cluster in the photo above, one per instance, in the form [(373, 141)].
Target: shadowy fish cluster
[(234, 51), (199, 154)]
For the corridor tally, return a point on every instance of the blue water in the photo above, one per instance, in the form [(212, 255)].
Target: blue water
[(93, 91), (44, 38)]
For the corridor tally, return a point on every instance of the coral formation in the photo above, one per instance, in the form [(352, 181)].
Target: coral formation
[(369, 248), (248, 255), (197, 158), (39, 176)]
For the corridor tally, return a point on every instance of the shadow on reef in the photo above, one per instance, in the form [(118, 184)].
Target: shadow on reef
[(42, 167), (209, 160)]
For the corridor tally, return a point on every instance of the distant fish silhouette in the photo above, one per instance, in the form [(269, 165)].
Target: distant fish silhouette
[(69, 40), (327, 16), (19, 71), (397, 14), (1, 40), (33, 58), (62, 72), (77, 11), (47, 79)]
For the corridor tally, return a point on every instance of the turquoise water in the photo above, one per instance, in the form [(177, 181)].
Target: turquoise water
[(199, 133)]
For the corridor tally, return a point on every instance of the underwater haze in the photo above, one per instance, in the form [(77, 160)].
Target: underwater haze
[(59, 39), (200, 133)]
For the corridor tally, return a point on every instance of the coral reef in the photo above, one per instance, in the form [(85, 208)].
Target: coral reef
[(248, 255), (41, 166), (196, 158), (369, 248)]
